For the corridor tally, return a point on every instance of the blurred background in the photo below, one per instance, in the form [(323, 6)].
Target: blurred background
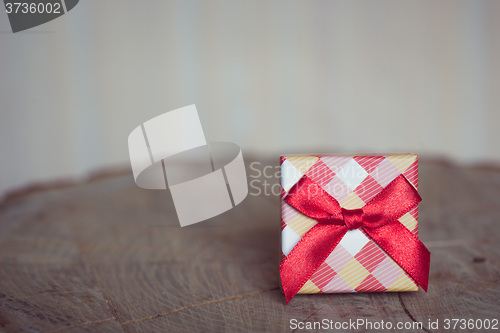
[(272, 76)]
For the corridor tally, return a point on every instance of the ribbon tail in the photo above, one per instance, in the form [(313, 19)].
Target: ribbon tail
[(405, 249), (306, 257)]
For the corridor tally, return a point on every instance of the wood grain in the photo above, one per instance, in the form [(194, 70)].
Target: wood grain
[(108, 256)]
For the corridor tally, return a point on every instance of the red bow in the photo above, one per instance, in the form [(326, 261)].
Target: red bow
[(378, 219)]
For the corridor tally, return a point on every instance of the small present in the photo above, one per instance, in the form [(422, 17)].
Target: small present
[(349, 223)]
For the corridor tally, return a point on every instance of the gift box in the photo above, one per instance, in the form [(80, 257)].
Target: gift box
[(349, 223)]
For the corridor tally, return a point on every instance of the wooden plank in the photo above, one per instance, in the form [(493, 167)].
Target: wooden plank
[(44, 284), (109, 256)]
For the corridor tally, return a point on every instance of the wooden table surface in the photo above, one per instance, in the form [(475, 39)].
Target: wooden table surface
[(108, 256)]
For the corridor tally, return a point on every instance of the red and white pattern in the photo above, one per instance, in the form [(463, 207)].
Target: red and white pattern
[(357, 264)]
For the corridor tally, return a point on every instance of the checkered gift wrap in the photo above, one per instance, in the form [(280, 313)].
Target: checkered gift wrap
[(357, 264)]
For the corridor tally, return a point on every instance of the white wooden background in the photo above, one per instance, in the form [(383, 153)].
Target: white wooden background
[(271, 76)]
